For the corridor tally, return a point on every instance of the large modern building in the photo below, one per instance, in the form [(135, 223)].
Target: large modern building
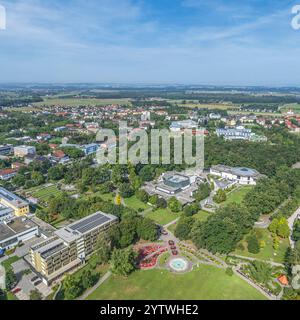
[(177, 126), (14, 231), (90, 148), (173, 182), (22, 151), (70, 246), (6, 213), (239, 133), (6, 149), (243, 176), (10, 200)]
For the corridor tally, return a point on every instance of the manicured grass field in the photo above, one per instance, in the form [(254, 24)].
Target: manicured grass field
[(204, 283), (237, 195), (162, 216), (73, 102), (202, 215), (44, 193), (135, 203), (266, 253)]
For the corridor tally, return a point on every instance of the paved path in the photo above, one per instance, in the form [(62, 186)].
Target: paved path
[(272, 263), (97, 285), (291, 221), (57, 291), (171, 223)]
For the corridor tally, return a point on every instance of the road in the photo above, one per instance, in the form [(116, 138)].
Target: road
[(291, 221)]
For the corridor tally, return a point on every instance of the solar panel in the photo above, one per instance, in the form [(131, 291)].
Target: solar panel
[(90, 223)]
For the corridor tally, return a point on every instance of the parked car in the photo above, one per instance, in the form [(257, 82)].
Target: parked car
[(37, 283), (173, 248), (171, 242), (174, 252), (34, 278), (164, 232)]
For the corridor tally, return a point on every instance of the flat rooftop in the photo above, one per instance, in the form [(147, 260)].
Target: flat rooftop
[(12, 198), (85, 225), (51, 248), (176, 178), (14, 227)]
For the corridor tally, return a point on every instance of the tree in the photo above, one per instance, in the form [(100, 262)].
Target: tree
[(142, 195), (56, 173), (183, 228), (280, 227), (126, 190), (147, 173), (161, 203), (118, 200), (147, 229), (273, 226), (260, 271), (174, 205), (203, 192), (103, 249), (89, 279), (283, 229), (11, 278), (220, 196), (72, 152), (222, 231), (191, 209), (296, 231), (72, 287), (123, 261), (35, 295), (153, 200), (253, 245)]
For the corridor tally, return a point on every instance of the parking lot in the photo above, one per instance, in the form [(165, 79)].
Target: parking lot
[(28, 281)]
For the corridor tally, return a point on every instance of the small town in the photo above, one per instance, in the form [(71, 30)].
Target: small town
[(71, 228)]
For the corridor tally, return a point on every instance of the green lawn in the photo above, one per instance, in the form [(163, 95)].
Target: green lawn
[(45, 193), (135, 203), (266, 253), (7, 263), (107, 196), (172, 227), (202, 215), (237, 195), (162, 216), (204, 283)]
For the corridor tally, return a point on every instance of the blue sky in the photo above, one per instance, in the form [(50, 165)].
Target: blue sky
[(222, 42)]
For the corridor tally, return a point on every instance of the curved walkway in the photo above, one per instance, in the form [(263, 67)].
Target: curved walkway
[(97, 285), (291, 221)]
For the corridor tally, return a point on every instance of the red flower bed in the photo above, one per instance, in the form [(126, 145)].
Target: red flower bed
[(150, 262)]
